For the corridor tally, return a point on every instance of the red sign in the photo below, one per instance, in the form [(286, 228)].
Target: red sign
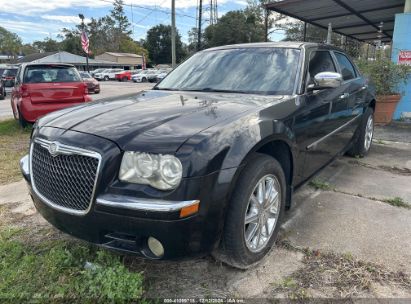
[(404, 57)]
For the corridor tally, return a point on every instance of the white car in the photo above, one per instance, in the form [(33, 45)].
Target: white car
[(144, 76), (97, 71), (107, 74)]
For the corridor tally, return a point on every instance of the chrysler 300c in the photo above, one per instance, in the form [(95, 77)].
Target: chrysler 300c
[(206, 161)]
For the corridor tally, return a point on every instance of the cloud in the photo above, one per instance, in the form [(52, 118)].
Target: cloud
[(34, 7), (65, 19)]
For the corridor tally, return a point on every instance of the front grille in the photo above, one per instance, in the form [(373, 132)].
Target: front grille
[(66, 180)]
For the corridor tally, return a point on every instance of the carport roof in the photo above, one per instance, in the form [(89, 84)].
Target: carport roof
[(353, 18)]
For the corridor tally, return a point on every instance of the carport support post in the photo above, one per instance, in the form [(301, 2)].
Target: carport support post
[(401, 42), (305, 32), (329, 34)]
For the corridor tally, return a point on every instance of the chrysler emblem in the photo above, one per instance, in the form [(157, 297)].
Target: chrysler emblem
[(53, 149)]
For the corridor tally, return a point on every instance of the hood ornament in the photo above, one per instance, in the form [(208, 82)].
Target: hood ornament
[(54, 149)]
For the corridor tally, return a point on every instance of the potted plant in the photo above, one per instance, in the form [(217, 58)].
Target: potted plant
[(387, 78)]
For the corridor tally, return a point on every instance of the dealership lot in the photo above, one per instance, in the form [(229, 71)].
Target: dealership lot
[(109, 89)]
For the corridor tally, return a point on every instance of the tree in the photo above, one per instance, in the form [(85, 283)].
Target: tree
[(235, 27), (158, 44), (121, 25), (47, 45), (10, 43)]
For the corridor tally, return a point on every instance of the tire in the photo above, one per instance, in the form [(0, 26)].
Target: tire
[(124, 79), (106, 78), (362, 144), (22, 121), (234, 249), (144, 79)]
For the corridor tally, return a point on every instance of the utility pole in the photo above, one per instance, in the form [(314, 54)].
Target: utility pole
[(200, 14), (173, 33)]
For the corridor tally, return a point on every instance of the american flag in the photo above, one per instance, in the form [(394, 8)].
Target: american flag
[(84, 41), (143, 66)]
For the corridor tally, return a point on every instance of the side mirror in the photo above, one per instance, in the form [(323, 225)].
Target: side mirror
[(326, 80)]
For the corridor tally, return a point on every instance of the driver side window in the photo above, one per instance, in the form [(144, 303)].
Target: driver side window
[(320, 61)]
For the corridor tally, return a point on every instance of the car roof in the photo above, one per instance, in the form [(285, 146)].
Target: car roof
[(281, 44), (48, 63)]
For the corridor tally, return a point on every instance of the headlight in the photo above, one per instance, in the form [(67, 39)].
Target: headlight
[(163, 172)]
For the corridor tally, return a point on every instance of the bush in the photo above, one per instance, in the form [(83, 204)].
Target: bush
[(385, 75)]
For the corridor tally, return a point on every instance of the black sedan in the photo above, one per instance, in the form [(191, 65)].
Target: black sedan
[(207, 161)]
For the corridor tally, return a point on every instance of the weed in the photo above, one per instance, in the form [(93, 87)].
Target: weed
[(397, 202), (320, 185)]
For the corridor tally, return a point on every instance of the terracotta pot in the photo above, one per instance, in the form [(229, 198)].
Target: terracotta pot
[(385, 108)]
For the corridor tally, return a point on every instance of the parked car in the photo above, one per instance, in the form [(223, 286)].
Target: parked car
[(162, 74), (208, 160), (96, 71), (107, 74), (43, 88), (92, 84), (145, 76), (2, 91), (8, 77), (126, 75)]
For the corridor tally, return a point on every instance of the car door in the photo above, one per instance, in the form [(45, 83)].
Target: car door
[(16, 93), (355, 90), (322, 113)]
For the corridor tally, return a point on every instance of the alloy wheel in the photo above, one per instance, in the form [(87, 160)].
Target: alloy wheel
[(369, 131), (262, 213)]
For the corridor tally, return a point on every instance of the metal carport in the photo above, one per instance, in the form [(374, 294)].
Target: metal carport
[(357, 19)]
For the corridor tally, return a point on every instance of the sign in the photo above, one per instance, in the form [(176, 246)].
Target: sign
[(404, 58)]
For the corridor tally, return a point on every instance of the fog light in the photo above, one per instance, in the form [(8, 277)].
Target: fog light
[(155, 247)]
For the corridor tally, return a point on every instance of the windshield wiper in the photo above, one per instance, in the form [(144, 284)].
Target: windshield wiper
[(217, 90)]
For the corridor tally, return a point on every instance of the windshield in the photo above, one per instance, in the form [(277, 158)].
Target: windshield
[(11, 72), (52, 73), (247, 70)]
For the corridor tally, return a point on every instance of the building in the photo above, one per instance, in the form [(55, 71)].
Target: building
[(78, 61), (122, 58)]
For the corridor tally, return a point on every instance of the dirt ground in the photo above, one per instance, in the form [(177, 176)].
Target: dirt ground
[(342, 240)]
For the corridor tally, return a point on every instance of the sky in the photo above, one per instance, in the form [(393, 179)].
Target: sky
[(37, 19)]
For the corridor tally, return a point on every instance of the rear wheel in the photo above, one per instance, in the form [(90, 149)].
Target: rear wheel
[(362, 144), (106, 78), (254, 214), (22, 121), (144, 79), (3, 94)]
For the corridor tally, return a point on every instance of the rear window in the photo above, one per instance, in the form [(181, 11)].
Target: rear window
[(10, 72), (49, 74)]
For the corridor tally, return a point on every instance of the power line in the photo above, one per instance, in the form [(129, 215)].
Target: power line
[(151, 9)]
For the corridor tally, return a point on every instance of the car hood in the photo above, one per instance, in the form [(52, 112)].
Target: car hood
[(154, 121)]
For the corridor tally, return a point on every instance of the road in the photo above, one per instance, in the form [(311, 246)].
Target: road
[(108, 89)]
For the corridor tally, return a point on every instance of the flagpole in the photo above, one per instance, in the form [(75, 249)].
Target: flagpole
[(82, 26)]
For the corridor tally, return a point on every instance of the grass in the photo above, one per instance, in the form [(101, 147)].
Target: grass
[(14, 144), (341, 274), (320, 185), (397, 202), (56, 272)]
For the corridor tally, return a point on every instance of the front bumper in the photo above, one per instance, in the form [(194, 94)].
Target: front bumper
[(120, 220)]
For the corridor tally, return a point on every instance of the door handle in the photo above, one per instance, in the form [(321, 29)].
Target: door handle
[(345, 95)]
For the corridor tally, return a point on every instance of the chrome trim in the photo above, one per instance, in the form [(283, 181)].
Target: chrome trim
[(142, 204), (25, 164), (67, 150), (309, 147)]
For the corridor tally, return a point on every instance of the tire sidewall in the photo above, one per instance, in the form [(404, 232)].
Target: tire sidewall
[(256, 168), (362, 151)]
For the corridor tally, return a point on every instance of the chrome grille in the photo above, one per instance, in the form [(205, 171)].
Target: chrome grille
[(63, 176)]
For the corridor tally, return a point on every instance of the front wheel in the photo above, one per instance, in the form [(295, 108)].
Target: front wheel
[(362, 143), (254, 214)]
